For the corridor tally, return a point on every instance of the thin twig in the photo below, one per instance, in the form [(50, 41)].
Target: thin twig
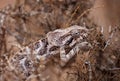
[(110, 38), (86, 11), (73, 14)]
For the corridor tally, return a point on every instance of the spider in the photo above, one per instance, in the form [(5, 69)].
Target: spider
[(74, 37), (55, 42)]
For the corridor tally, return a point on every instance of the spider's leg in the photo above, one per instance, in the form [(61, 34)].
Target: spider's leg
[(75, 42), (54, 52), (48, 49), (62, 53), (66, 57), (72, 43)]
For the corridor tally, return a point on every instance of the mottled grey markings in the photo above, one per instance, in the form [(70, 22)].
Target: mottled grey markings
[(66, 42)]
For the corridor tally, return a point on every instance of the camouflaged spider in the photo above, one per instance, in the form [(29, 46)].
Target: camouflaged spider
[(55, 42), (74, 37)]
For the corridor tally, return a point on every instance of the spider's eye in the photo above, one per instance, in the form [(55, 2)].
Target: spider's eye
[(20, 51), (77, 33)]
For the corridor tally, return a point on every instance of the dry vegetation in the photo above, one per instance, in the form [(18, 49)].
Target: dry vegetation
[(30, 20)]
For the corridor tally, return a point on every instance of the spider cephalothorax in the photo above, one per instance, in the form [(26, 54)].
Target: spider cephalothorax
[(60, 37)]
